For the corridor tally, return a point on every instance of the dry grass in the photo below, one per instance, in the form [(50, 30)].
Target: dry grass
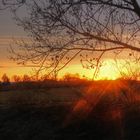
[(40, 97), (104, 110)]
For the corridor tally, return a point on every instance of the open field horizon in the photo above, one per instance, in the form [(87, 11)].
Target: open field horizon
[(70, 69), (105, 109)]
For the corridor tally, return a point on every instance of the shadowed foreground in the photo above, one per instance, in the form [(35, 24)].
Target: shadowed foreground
[(69, 115), (48, 123)]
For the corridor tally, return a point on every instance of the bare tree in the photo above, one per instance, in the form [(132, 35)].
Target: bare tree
[(64, 29), (129, 68), (16, 78), (5, 79), (26, 78)]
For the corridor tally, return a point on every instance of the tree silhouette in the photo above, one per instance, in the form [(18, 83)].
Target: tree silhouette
[(64, 29), (16, 78), (14, 4), (129, 69), (5, 79), (26, 78)]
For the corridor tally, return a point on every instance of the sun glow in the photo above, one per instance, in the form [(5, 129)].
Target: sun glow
[(108, 71)]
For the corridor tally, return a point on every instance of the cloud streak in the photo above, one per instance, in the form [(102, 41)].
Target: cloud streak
[(7, 40), (30, 66), (2, 66)]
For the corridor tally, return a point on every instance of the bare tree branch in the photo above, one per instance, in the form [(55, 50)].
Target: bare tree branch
[(59, 28)]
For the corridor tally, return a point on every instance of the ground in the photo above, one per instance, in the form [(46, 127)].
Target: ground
[(67, 113)]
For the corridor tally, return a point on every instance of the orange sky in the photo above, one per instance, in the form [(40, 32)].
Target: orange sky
[(10, 68), (108, 70), (8, 30)]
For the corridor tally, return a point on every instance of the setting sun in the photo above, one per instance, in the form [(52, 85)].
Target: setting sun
[(108, 71)]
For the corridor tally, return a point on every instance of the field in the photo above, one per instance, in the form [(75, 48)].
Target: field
[(102, 110)]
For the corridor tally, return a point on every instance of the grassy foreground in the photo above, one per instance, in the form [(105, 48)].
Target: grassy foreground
[(107, 110)]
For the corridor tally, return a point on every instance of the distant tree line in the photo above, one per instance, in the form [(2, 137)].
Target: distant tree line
[(26, 78), (27, 82)]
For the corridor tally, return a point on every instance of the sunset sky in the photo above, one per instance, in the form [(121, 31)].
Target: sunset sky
[(9, 30)]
